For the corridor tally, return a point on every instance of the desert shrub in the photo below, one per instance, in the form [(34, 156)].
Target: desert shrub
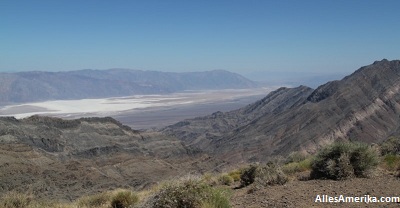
[(16, 200), (343, 160), (123, 199), (94, 201), (248, 175), (226, 180), (391, 162), (190, 193), (269, 174), (391, 146)]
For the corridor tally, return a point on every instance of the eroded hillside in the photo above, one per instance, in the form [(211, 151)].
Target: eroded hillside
[(363, 106), (65, 159)]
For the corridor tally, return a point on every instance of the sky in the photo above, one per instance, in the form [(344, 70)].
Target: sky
[(256, 38)]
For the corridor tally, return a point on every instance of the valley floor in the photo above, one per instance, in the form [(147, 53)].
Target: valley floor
[(303, 193)]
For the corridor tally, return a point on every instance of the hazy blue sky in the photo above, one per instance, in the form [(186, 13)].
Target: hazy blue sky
[(245, 36)]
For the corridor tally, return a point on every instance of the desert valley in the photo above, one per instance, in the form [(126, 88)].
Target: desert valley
[(61, 160), (199, 104)]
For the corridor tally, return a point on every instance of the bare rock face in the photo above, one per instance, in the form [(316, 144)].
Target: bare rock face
[(363, 106)]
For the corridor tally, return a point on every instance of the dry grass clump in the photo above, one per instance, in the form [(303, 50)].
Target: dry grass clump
[(93, 201), (299, 166), (391, 162), (235, 174), (21, 200), (225, 179), (124, 199), (16, 200), (120, 198)]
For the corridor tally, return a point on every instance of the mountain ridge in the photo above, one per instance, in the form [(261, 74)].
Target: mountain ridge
[(363, 106)]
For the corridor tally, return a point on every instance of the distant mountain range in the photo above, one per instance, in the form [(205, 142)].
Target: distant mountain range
[(39, 86), (364, 106)]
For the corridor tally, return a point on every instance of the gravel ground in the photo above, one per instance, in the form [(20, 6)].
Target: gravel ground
[(303, 193)]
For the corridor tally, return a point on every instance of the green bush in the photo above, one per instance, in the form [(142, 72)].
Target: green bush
[(124, 199), (190, 193), (269, 174), (343, 160), (391, 146)]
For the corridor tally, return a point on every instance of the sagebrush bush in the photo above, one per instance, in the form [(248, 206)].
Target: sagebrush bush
[(190, 193), (269, 174), (342, 160)]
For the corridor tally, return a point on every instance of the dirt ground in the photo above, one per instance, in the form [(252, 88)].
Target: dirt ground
[(298, 194)]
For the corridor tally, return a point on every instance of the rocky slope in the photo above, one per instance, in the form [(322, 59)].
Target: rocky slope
[(363, 106), (65, 159), (200, 132), (39, 86)]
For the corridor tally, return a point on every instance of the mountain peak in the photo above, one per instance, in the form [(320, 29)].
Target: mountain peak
[(381, 61)]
